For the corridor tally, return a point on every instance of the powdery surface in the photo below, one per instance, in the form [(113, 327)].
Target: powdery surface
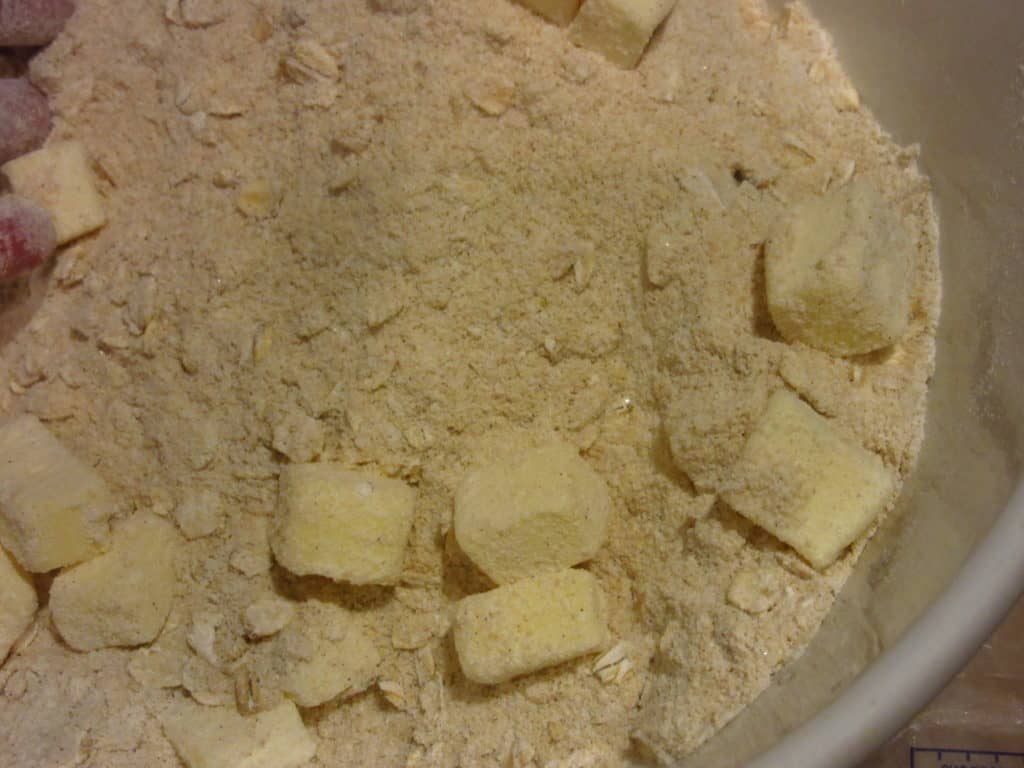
[(432, 242)]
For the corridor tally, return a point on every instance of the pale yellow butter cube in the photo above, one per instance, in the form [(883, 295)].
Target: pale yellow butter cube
[(806, 483), (324, 655), (58, 179), (527, 626), (123, 596), (557, 11), (219, 737), (54, 508), (18, 603), (838, 273), (346, 525), (619, 29), (543, 510)]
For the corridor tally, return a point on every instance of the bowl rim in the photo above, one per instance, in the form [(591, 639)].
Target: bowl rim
[(904, 678)]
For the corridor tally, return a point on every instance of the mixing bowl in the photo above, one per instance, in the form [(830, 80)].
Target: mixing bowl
[(948, 74)]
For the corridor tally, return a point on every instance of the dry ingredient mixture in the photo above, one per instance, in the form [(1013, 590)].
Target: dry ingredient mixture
[(405, 235)]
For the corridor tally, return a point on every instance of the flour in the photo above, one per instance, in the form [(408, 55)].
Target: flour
[(401, 235)]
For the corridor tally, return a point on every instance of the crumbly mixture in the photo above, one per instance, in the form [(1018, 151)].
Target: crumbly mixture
[(405, 234)]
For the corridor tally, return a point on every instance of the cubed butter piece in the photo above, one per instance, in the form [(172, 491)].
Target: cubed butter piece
[(527, 626), (346, 525), (324, 655), (806, 483), (219, 737), (541, 511), (54, 508), (123, 596), (18, 603), (558, 11), (838, 272), (619, 29), (58, 179)]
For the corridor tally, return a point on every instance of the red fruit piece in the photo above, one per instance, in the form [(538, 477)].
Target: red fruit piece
[(24, 118), (32, 22), (27, 236)]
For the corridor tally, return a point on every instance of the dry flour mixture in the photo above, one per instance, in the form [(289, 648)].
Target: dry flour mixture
[(418, 239)]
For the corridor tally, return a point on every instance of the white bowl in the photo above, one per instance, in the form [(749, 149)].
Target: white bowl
[(948, 74)]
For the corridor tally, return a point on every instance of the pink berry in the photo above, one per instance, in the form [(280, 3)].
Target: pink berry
[(32, 22), (27, 236), (24, 118)]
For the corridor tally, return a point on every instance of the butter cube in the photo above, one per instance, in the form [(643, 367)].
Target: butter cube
[(58, 179), (324, 655), (527, 626), (18, 603), (542, 511), (838, 273), (219, 737), (54, 508), (619, 29), (557, 11), (346, 525), (806, 483), (123, 596)]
